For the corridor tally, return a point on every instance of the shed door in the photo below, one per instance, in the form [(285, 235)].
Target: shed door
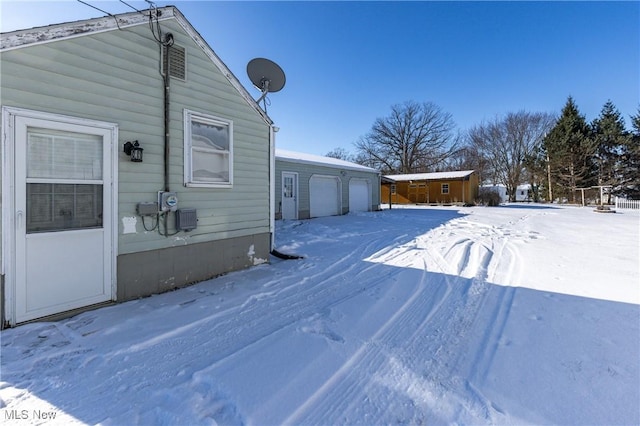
[(62, 217), (324, 196), (418, 192), (359, 195)]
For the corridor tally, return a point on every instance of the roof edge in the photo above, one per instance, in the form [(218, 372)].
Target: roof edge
[(235, 82), (61, 31), (457, 174), (318, 160)]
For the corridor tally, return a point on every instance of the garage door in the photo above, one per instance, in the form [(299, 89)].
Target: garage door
[(324, 196), (359, 195)]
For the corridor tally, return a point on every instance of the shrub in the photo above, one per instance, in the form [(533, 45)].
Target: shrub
[(488, 197)]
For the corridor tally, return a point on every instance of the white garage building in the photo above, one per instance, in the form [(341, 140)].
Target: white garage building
[(314, 186)]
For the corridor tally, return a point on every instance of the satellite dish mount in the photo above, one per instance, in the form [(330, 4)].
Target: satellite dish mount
[(266, 76)]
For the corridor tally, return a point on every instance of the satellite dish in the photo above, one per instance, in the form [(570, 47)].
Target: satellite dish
[(266, 75)]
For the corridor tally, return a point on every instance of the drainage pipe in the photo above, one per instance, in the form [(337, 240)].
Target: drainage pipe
[(167, 112), (285, 256)]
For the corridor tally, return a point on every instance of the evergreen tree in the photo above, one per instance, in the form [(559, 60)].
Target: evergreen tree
[(610, 138), (570, 152), (630, 161)]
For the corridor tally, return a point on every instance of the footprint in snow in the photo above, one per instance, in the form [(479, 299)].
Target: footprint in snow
[(321, 329)]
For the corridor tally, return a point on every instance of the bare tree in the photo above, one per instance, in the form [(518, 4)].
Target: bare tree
[(469, 158), (340, 154), (507, 143), (413, 138)]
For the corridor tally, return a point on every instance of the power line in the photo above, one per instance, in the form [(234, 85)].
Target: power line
[(124, 2), (103, 11)]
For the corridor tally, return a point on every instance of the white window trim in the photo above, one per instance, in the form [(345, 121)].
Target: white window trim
[(188, 152), (443, 188)]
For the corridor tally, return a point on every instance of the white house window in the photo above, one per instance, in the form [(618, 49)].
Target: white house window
[(445, 188), (208, 150)]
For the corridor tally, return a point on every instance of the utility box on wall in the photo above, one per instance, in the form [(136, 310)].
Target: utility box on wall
[(167, 201), (186, 219), (147, 209)]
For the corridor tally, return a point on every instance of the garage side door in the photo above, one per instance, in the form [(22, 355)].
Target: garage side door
[(324, 196), (359, 195)]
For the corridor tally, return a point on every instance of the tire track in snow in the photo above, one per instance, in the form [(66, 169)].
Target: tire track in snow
[(371, 356), (332, 401), (426, 382), (221, 336), (425, 388), (217, 336), (237, 329), (477, 255), (499, 250)]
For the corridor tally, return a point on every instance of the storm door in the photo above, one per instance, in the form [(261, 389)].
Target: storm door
[(63, 219)]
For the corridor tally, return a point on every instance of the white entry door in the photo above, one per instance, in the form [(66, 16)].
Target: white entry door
[(289, 195), (62, 224)]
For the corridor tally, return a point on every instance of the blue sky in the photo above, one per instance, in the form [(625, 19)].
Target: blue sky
[(347, 62)]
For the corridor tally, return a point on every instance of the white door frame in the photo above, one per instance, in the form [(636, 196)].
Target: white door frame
[(296, 196), (9, 214)]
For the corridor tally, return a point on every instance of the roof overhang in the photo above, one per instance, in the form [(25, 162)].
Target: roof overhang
[(318, 160), (455, 175), (56, 32)]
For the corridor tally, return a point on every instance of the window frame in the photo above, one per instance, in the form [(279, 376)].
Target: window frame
[(189, 117), (444, 188)]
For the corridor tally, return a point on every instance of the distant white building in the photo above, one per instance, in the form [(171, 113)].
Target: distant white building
[(523, 192), (499, 189)]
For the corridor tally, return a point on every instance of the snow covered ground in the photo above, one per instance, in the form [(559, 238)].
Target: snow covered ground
[(520, 314)]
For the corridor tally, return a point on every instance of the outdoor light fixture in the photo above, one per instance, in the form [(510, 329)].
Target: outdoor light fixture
[(133, 149)]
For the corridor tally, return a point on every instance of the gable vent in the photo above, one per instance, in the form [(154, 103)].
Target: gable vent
[(177, 62)]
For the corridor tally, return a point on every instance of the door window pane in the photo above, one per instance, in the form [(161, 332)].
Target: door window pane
[(288, 187), (63, 155), (57, 207)]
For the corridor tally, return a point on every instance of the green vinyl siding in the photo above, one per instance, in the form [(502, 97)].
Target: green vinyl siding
[(306, 170), (114, 76)]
